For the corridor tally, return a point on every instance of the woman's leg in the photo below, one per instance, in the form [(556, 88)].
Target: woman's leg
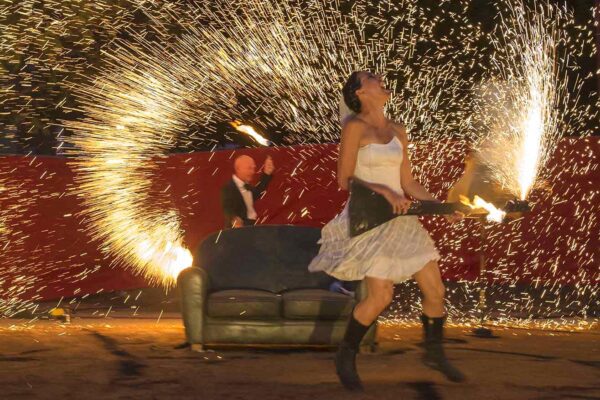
[(380, 293), (430, 282), (379, 296)]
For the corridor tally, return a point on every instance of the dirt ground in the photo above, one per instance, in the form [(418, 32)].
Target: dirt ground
[(138, 358)]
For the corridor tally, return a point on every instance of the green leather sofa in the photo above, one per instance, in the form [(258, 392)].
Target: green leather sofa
[(251, 285)]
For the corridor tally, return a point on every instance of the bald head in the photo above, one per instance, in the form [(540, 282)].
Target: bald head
[(244, 168)]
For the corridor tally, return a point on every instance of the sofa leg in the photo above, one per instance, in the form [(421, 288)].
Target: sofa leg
[(197, 347)]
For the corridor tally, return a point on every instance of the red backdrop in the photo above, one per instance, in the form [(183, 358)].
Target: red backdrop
[(46, 252)]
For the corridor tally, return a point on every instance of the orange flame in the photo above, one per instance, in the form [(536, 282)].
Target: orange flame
[(494, 214), (247, 129)]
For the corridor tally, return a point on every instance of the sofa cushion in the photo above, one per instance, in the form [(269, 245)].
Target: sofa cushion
[(316, 304), (244, 304), (265, 257)]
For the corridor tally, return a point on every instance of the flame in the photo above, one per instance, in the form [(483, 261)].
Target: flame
[(172, 259), (494, 214), (247, 129)]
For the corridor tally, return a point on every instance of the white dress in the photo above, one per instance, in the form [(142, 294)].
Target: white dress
[(395, 250)]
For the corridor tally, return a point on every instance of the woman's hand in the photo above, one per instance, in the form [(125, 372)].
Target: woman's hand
[(400, 204)]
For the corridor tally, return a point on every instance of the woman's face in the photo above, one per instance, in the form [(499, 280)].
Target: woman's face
[(372, 87)]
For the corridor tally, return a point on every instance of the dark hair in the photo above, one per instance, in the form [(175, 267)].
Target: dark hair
[(349, 91)]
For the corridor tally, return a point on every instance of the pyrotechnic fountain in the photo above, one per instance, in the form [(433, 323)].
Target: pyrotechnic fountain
[(521, 116)]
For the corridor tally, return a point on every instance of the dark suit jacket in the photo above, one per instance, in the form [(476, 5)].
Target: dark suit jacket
[(232, 201)]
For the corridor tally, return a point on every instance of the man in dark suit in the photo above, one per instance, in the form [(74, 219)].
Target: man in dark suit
[(238, 195)]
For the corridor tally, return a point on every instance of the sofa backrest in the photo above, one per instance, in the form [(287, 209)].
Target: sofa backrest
[(266, 257)]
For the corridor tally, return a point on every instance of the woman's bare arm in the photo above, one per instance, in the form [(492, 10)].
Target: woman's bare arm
[(409, 184)]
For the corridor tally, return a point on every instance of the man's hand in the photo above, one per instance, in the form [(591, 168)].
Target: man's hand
[(269, 167), (236, 222)]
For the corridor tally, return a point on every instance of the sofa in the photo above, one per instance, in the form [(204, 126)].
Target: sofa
[(251, 286)]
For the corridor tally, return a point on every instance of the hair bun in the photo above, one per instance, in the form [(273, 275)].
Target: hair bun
[(349, 91)]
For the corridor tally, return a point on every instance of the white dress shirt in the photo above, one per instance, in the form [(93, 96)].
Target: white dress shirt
[(247, 196)]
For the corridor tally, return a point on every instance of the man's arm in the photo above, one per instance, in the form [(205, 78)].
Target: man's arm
[(259, 189), (227, 204)]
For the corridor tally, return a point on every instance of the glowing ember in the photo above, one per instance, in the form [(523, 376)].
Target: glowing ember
[(247, 129), (494, 214)]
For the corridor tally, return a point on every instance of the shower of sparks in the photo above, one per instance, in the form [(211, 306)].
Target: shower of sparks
[(494, 214), (18, 198), (193, 63), (524, 103), (284, 62), (11, 213), (248, 130), (282, 59), (43, 43), (117, 158)]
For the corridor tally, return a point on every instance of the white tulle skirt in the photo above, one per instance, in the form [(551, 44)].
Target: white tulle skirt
[(395, 250)]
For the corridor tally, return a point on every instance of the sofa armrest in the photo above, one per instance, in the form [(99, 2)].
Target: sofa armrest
[(193, 286)]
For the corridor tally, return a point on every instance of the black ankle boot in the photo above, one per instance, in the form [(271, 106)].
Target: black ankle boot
[(345, 366), (345, 358), (434, 356)]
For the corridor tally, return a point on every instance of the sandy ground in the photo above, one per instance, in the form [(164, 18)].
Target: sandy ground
[(129, 358)]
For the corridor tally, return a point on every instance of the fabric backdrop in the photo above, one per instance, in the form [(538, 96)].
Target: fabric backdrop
[(47, 253)]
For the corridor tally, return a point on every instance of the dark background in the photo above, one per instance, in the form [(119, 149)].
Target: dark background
[(36, 61)]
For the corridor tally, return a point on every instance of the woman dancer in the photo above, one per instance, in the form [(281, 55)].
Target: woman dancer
[(373, 150)]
